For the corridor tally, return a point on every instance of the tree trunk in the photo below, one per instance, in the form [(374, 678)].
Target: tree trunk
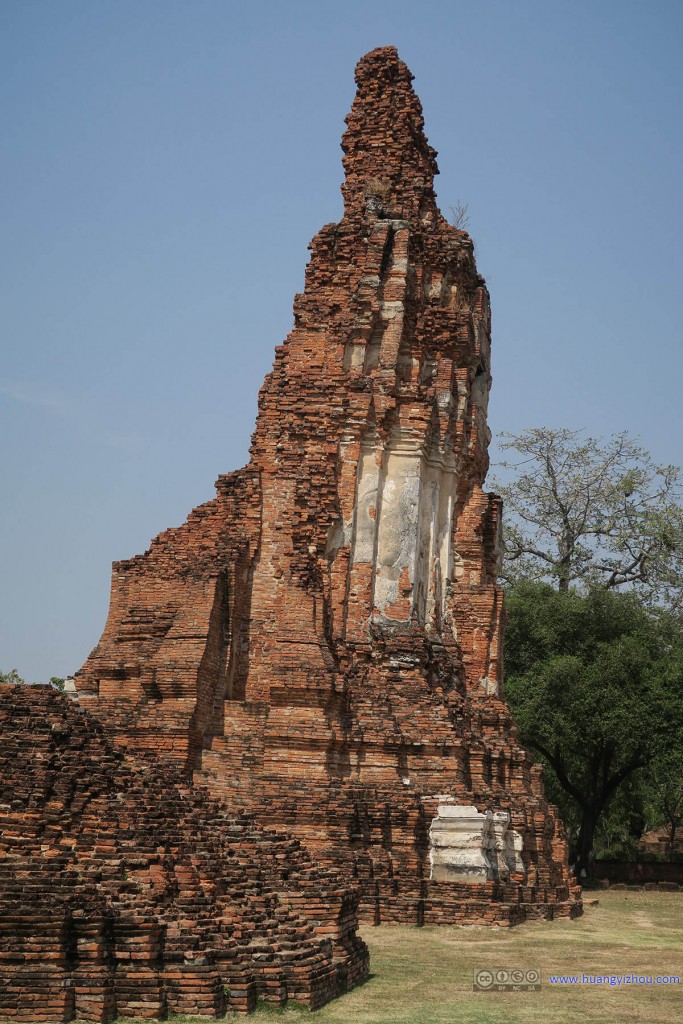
[(584, 860), (673, 829), (564, 566)]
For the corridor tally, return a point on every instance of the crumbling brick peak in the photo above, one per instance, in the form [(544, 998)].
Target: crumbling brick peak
[(321, 643), (123, 891)]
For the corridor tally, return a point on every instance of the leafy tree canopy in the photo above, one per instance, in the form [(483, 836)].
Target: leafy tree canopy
[(12, 677), (595, 685), (663, 794)]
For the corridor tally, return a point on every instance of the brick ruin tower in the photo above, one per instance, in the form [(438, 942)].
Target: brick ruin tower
[(320, 644)]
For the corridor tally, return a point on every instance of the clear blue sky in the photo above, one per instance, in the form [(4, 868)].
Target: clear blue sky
[(165, 165)]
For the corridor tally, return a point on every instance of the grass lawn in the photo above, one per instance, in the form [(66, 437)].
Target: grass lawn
[(424, 975)]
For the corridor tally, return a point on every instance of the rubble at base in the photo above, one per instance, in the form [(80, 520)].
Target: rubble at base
[(125, 892)]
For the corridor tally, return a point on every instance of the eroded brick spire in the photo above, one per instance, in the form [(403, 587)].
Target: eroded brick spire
[(388, 161), (321, 643)]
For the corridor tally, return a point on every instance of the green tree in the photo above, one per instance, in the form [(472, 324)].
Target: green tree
[(664, 795), (589, 512), (12, 677), (623, 821), (594, 684)]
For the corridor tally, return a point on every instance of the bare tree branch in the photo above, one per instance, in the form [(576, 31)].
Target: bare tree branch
[(585, 512)]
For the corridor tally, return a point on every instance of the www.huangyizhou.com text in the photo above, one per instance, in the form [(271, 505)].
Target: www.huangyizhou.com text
[(614, 980)]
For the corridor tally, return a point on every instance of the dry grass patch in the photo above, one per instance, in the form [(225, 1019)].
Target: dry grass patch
[(424, 975)]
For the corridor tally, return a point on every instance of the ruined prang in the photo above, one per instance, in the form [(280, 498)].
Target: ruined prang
[(320, 645)]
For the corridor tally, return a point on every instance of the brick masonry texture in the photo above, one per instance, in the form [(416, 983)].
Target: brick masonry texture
[(321, 644), (124, 890)]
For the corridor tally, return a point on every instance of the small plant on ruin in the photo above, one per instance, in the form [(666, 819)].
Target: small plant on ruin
[(460, 217), (378, 187), (12, 678)]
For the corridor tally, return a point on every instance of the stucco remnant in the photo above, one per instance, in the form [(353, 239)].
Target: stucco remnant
[(466, 846)]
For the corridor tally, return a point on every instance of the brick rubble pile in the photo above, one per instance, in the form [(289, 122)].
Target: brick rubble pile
[(124, 891)]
